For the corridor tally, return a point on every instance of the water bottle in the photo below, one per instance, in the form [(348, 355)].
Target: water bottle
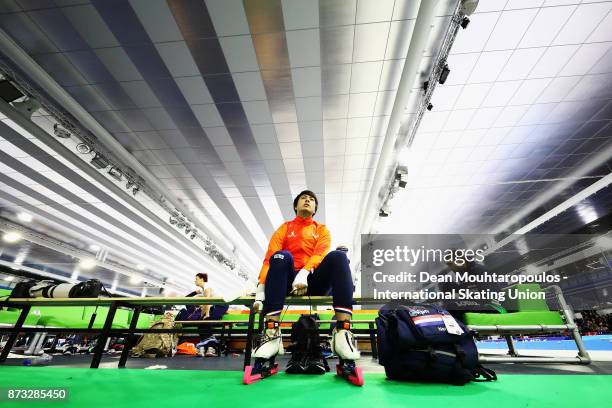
[(38, 361)]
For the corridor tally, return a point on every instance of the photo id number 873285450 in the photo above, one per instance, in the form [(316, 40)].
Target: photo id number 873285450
[(30, 394)]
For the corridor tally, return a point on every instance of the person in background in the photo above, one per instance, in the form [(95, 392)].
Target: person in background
[(208, 312)]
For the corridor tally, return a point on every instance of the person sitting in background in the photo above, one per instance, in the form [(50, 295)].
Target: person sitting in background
[(206, 312)]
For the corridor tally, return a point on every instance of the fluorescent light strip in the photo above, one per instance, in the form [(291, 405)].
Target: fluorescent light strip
[(200, 255), (570, 202), (84, 166)]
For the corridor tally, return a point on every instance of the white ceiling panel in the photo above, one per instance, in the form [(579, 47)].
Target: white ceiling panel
[(335, 106), (156, 14), (537, 113), (510, 116), (228, 17), (459, 119), (311, 130), (249, 86), (118, 64), (306, 81), (370, 11), (485, 117), (178, 59), (309, 108), (553, 60), (304, 48), (300, 14), (603, 32), (91, 27), (194, 90), (264, 133), (521, 62), (291, 150), (219, 136), (472, 96), (584, 21), (358, 127), (239, 53), (362, 104), (142, 95), (287, 132), (208, 115), (546, 26), (334, 129), (521, 4), (585, 58), (257, 112), (509, 29), (501, 93), (370, 42), (489, 66), (365, 76), (529, 91)]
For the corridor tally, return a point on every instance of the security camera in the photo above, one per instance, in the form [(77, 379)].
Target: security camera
[(444, 75)]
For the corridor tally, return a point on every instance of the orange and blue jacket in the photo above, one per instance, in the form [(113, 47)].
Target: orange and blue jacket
[(307, 240)]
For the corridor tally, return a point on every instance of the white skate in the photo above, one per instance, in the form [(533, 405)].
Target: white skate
[(344, 345), (270, 346)]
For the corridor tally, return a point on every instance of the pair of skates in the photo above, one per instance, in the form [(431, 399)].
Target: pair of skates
[(343, 345)]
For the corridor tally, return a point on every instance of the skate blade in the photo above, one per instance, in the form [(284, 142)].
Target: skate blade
[(249, 378), (355, 378)]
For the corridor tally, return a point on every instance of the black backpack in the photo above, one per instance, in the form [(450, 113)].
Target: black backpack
[(414, 344), (305, 339)]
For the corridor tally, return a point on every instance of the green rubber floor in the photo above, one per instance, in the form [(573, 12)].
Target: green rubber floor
[(187, 388)]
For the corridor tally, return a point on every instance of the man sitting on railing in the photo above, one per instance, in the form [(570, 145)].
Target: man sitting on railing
[(297, 262)]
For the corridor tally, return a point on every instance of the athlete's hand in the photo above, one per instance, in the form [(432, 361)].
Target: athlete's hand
[(260, 296), (300, 283)]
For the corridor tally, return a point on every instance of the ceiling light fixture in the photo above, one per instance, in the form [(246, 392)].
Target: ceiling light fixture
[(87, 264), (25, 217), (12, 237)]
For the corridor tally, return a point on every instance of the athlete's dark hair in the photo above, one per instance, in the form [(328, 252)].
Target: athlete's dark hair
[(305, 192), (203, 276)]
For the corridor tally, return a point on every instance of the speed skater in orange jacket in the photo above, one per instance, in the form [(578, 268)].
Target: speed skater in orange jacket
[(298, 261)]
